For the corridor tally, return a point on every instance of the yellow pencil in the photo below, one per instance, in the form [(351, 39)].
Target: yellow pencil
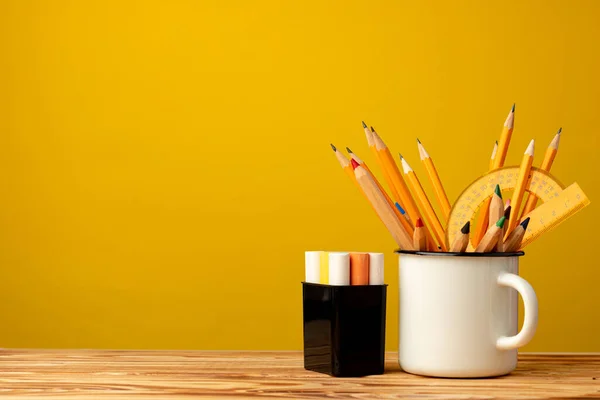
[(494, 150), (395, 181), (522, 181), (385, 212), (499, 157), (405, 223), (501, 245), (388, 164), (345, 163), (373, 148), (432, 219), (434, 178), (347, 167), (546, 165)]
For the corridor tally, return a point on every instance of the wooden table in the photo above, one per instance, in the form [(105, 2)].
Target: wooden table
[(93, 374)]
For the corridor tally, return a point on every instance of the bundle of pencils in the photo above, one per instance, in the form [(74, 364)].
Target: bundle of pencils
[(409, 216)]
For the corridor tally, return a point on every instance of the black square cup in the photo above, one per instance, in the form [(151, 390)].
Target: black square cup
[(344, 329)]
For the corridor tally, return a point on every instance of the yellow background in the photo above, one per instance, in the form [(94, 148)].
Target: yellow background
[(165, 164)]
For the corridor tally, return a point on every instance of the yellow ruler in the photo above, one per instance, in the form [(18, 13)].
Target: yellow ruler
[(559, 203), (548, 215)]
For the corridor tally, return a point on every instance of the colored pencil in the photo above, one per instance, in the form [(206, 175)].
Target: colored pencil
[(499, 157), (428, 212), (359, 268), (522, 181), (434, 178), (382, 208), (419, 238), (496, 206), (494, 150), (462, 240), (546, 165), (501, 246), (513, 242), (491, 237), (405, 223)]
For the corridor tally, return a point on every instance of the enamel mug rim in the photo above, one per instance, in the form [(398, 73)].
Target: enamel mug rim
[(457, 254)]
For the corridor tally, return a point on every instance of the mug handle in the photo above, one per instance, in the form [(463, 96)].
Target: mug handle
[(530, 319)]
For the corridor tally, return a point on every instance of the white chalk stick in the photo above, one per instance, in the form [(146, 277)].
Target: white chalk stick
[(312, 266), (376, 269), (339, 269)]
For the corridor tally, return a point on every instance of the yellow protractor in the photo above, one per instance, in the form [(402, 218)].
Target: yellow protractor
[(559, 203)]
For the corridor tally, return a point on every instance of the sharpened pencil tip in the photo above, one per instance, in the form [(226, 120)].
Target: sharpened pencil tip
[(513, 108), (498, 191), (466, 228), (418, 141), (500, 222), (348, 150), (354, 163), (496, 143), (364, 125), (559, 131), (419, 223), (507, 212), (333, 147), (525, 223), (400, 154), (372, 129)]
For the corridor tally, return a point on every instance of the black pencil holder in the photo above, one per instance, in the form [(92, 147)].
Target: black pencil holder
[(344, 329)]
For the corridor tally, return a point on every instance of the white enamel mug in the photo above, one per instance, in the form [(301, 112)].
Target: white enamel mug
[(459, 313)]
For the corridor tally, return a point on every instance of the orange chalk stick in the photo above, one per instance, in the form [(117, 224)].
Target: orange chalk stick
[(359, 268)]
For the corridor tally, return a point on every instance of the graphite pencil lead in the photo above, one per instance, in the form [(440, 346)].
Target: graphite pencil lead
[(418, 141), (348, 150), (372, 129), (400, 154), (333, 147), (559, 131), (466, 228), (513, 108), (364, 125)]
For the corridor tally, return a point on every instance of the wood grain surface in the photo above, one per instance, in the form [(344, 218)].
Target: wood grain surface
[(93, 374)]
